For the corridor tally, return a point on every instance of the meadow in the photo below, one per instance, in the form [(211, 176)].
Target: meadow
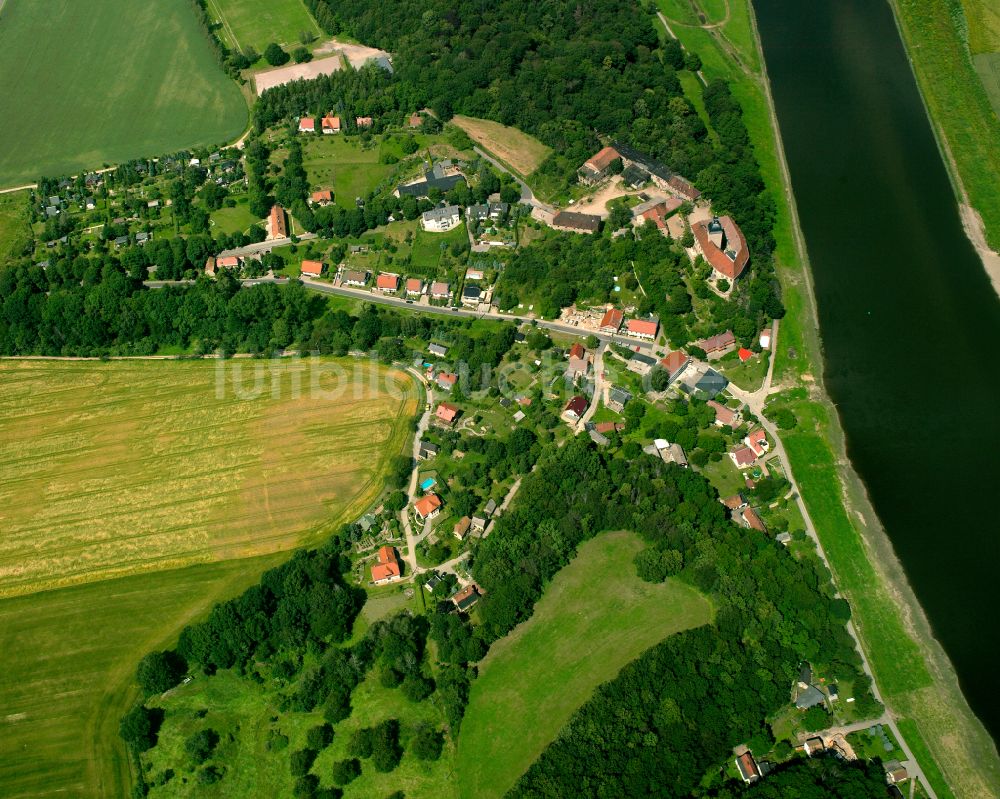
[(518, 150), (142, 494), (15, 229), (595, 617), (88, 84), (342, 164), (255, 23)]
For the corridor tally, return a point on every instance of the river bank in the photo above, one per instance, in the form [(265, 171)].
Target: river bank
[(964, 123), (920, 689), (919, 684)]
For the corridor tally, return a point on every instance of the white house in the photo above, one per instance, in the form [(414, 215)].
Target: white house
[(440, 220)]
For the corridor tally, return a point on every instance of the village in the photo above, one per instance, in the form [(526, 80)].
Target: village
[(604, 370)]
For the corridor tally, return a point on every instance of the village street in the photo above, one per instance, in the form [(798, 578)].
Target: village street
[(600, 386)]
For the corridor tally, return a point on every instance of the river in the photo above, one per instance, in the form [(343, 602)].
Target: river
[(909, 320)]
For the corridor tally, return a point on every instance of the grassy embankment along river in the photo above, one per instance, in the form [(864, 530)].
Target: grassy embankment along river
[(937, 38), (916, 679)]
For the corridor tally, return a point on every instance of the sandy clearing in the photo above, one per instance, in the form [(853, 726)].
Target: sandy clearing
[(282, 75), (597, 204), (357, 55)]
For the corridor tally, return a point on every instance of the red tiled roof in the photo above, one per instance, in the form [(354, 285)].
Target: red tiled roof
[(674, 362), (390, 282), (643, 327), (576, 405), (717, 342), (415, 120), (659, 212), (612, 319), (577, 351), (603, 159), (331, 123), (744, 456), (757, 441), (447, 377), (745, 354), (446, 412), (608, 427), (723, 415), (414, 285), (752, 520), (311, 267), (427, 504), (322, 196), (684, 188), (278, 223), (732, 268), (307, 123), (439, 289), (734, 502), (383, 571)]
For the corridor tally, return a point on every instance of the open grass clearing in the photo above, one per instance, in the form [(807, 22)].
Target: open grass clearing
[(233, 220), (342, 164), (15, 229), (130, 79), (132, 466), (257, 23), (518, 150), (595, 617)]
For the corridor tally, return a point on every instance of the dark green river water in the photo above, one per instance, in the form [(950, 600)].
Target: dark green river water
[(909, 319)]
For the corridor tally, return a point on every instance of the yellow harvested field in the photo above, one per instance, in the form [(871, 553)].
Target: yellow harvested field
[(520, 151), (109, 469), (136, 494)]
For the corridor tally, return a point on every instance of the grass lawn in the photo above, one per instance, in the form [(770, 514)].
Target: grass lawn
[(749, 375), (340, 163), (594, 617), (133, 79), (137, 485), (523, 153), (257, 23), (233, 220), (427, 248), (724, 475), (15, 231)]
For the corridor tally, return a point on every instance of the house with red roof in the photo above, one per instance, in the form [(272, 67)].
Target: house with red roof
[(277, 223), (428, 506), (643, 328), (723, 415), (387, 568), (612, 320), (722, 244), (752, 521), (415, 120), (598, 166), (446, 380), (322, 197), (748, 768), (657, 211), (757, 442), (307, 125), (743, 457), (467, 597), (414, 287), (579, 361), (447, 413), (744, 354), (440, 290), (387, 283), (311, 268), (675, 363), (576, 407), (330, 125), (682, 188), (718, 344)]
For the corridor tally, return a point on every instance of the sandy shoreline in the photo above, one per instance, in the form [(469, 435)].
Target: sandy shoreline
[(976, 231)]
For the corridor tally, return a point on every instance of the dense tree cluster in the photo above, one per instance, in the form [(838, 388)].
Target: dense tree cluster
[(304, 600), (683, 705), (93, 306), (821, 777)]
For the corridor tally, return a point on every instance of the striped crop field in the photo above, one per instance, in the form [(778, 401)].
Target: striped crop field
[(134, 495)]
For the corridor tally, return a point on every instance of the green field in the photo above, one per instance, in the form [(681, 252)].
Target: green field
[(118, 480), (342, 164), (427, 252), (257, 23), (595, 617), (15, 229), (87, 84)]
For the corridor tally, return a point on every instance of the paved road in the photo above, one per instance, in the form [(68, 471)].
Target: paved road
[(527, 195), (756, 401), (264, 246), (410, 557), (599, 386)]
